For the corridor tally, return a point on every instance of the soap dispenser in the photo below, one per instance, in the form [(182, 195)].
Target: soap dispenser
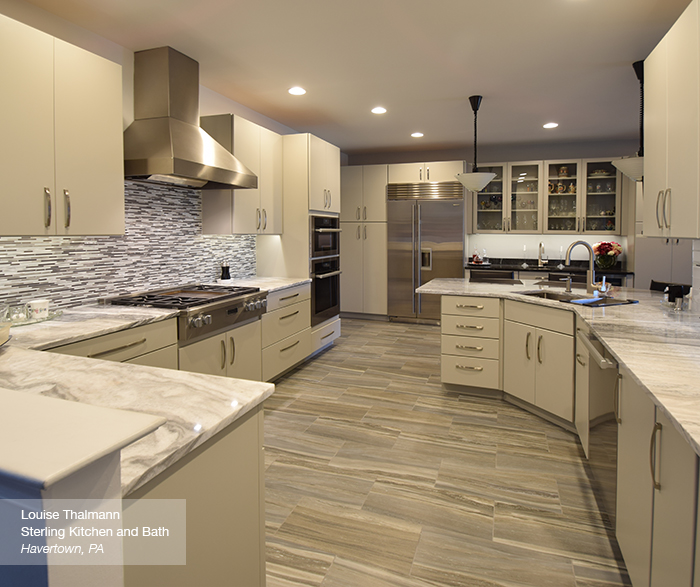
[(225, 274)]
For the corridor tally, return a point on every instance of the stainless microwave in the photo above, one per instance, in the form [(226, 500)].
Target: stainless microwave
[(325, 236)]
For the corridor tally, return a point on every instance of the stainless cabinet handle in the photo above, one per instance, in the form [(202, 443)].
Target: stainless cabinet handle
[(258, 218), (47, 207), (364, 213), (469, 367), (358, 232), (289, 315), (365, 233), (289, 297), (616, 399), (357, 214), (667, 197), (539, 350), (420, 174), (476, 307), (233, 350), (652, 454), (330, 199), (658, 200), (223, 355), (325, 199), (580, 360), (264, 219), (290, 346), (427, 174), (119, 348), (465, 347), (470, 326), (527, 345), (331, 333), (66, 199)]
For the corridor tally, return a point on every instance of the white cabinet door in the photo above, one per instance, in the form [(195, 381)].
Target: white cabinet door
[(324, 175), (271, 201), (333, 177), (247, 216), (89, 146), (635, 491), (351, 193), (374, 180), (418, 172), (375, 271), (519, 368), (244, 352), (582, 382), (26, 126), (351, 265), (406, 172), (554, 375), (207, 356)]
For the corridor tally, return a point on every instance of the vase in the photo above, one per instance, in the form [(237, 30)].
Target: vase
[(605, 261)]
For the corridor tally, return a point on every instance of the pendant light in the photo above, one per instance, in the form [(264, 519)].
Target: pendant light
[(476, 180), (633, 167)]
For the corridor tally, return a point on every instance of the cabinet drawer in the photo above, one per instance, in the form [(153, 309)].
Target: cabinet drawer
[(288, 296), (324, 335), (165, 358), (471, 326), (469, 306), (285, 322), (285, 354), (125, 344), (540, 316), (467, 346), (470, 371)]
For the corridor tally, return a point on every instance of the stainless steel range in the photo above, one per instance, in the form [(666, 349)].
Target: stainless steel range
[(203, 309)]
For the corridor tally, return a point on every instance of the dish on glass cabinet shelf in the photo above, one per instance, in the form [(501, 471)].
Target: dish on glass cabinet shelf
[(599, 173)]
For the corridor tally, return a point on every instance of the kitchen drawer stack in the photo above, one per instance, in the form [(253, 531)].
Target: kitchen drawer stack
[(471, 341), (286, 330)]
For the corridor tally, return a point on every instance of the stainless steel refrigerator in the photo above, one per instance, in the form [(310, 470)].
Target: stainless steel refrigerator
[(425, 241)]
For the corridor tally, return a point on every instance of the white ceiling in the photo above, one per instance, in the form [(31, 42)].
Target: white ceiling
[(534, 61)]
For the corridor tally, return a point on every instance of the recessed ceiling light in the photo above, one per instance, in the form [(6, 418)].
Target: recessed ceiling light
[(379, 110), (297, 91), (550, 125), (416, 135)]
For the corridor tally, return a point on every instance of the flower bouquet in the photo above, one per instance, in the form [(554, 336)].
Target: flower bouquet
[(606, 253)]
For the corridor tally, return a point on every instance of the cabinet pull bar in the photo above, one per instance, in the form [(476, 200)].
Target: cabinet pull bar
[(66, 199), (257, 218), (357, 214), (658, 199), (652, 453), (616, 399), (465, 347), (667, 196), (289, 315), (47, 207), (602, 362), (364, 213), (233, 350), (358, 232), (469, 368), (119, 348), (289, 297), (470, 326), (427, 174), (290, 346), (331, 333), (223, 355), (264, 219), (527, 345), (580, 360), (470, 306), (539, 350)]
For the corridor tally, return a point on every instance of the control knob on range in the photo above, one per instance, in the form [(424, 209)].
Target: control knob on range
[(196, 322), (258, 304), (207, 319)]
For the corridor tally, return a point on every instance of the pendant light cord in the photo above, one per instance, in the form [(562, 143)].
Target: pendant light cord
[(475, 167), (641, 119)]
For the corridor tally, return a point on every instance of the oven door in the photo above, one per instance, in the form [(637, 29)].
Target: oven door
[(325, 236), (325, 289)]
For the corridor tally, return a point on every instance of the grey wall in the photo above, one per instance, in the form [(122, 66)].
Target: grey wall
[(163, 246), (500, 153)]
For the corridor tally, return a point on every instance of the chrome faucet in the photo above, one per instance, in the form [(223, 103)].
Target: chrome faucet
[(590, 274), (540, 254)]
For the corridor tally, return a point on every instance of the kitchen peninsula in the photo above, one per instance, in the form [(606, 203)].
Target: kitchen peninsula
[(655, 404)]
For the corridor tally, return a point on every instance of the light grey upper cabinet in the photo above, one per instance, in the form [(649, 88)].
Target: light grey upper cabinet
[(672, 131), (363, 193), (61, 154), (245, 211), (420, 172)]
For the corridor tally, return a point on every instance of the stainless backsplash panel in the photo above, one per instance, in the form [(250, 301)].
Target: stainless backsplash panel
[(163, 244)]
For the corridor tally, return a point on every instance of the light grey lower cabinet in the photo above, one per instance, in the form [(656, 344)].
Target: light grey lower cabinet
[(235, 353), (656, 493)]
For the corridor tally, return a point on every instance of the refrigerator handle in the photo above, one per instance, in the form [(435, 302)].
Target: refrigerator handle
[(419, 246), (413, 260)]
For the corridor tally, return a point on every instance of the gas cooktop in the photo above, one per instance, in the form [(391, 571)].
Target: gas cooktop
[(183, 297)]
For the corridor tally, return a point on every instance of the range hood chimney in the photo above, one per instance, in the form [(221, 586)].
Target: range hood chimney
[(165, 143)]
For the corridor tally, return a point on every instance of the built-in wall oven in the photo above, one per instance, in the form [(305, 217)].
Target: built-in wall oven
[(324, 265)]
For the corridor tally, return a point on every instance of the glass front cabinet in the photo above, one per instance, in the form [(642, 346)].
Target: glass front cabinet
[(568, 196)]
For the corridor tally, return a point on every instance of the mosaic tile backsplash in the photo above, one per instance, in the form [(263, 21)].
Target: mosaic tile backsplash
[(162, 246)]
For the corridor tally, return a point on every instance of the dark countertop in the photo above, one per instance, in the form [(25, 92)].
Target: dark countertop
[(512, 264)]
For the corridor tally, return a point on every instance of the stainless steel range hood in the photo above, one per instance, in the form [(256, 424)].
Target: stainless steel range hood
[(165, 143)]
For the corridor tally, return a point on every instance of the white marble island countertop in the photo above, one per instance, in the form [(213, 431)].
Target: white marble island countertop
[(195, 406), (659, 346)]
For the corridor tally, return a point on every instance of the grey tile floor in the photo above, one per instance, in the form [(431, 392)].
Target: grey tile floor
[(377, 476)]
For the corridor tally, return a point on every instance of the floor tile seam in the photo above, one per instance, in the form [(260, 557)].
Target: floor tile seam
[(563, 522), (564, 555)]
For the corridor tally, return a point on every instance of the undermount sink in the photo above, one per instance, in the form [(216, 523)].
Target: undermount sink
[(574, 298)]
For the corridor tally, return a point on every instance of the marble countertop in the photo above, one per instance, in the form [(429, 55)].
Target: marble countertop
[(269, 284), (659, 346), (194, 406)]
